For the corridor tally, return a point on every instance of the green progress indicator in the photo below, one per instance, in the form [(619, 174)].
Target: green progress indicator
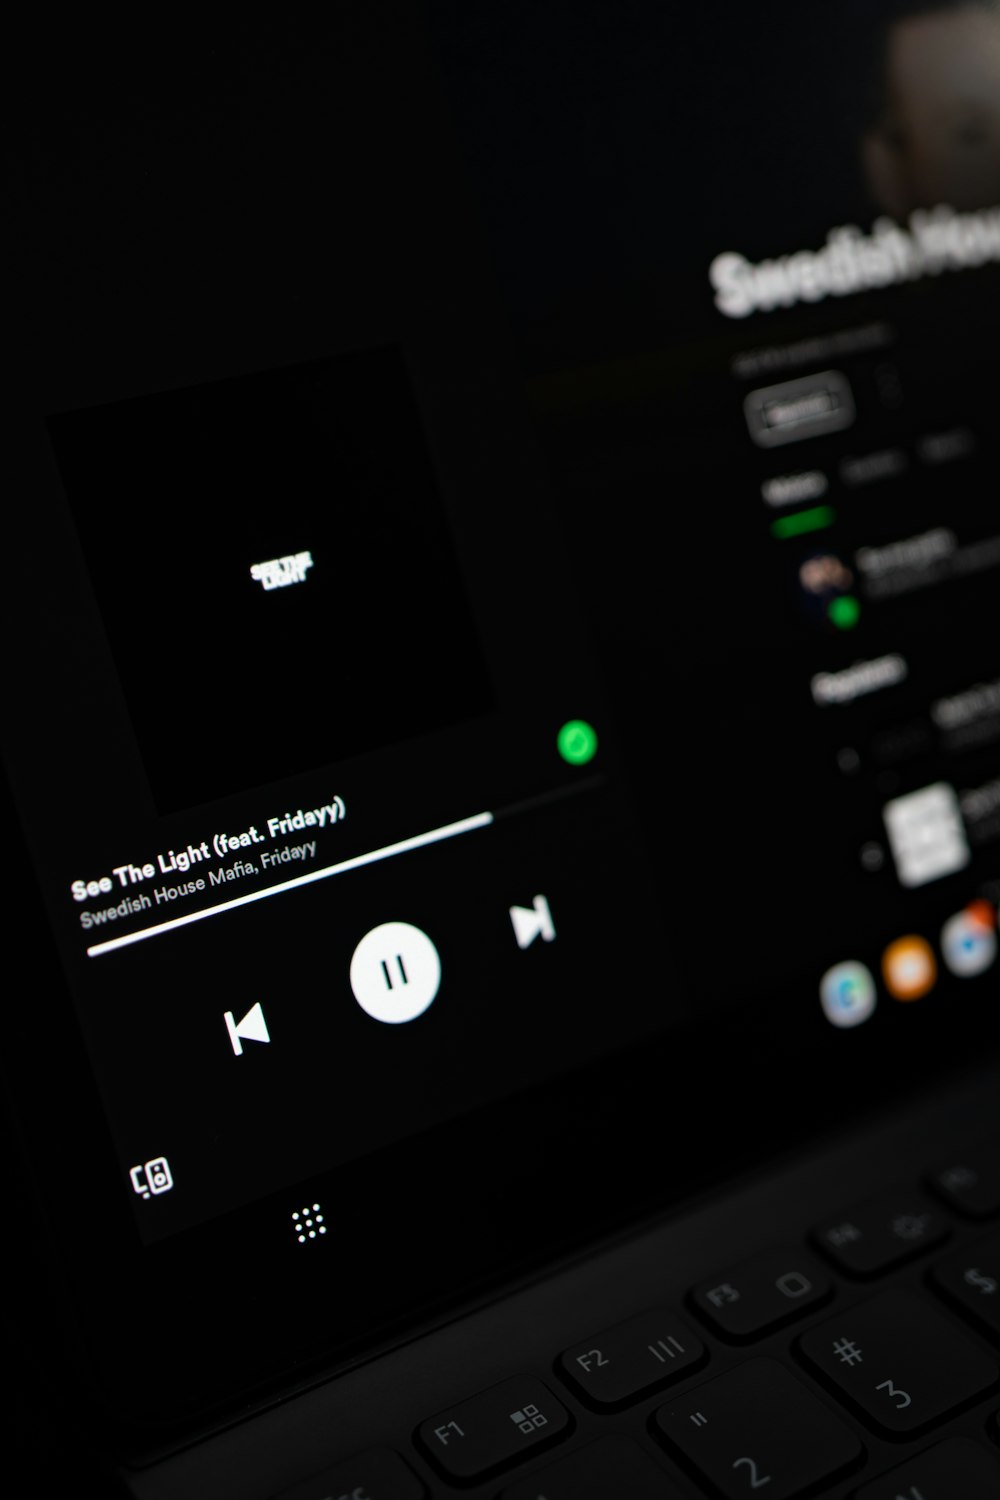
[(816, 519), (577, 742)]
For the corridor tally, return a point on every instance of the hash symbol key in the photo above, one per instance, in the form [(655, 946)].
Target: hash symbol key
[(899, 1361)]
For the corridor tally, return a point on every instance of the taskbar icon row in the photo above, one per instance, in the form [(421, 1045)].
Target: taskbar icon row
[(968, 942)]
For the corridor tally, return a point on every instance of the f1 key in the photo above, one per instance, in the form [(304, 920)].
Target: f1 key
[(899, 1361), (499, 1426)]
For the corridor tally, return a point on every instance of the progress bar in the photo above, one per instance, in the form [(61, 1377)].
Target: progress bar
[(389, 851)]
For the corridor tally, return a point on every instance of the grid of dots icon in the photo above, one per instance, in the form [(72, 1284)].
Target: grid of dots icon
[(308, 1223)]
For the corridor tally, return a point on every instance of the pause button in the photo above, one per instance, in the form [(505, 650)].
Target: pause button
[(395, 972)]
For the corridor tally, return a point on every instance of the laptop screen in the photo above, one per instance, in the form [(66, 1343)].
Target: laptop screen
[(508, 664)]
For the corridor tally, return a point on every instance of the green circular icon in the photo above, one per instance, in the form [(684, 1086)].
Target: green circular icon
[(844, 612), (577, 742)]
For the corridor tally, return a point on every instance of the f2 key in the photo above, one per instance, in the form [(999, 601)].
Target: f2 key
[(622, 1363)]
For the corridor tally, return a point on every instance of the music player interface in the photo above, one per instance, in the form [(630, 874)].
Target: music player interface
[(313, 783)]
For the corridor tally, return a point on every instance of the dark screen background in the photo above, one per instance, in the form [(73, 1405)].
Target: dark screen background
[(615, 152), (618, 148)]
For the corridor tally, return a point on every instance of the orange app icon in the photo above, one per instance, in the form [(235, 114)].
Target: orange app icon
[(909, 968)]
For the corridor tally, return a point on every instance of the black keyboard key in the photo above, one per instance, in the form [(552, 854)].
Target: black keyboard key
[(758, 1427), (971, 1183), (873, 1237), (900, 1361), (377, 1475), (624, 1362), (972, 1279), (761, 1293), (955, 1470), (613, 1468), (497, 1427)]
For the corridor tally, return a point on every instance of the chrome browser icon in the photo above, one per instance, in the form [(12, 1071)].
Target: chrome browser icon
[(847, 994)]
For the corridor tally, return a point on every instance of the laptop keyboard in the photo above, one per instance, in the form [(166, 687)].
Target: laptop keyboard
[(862, 1362)]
